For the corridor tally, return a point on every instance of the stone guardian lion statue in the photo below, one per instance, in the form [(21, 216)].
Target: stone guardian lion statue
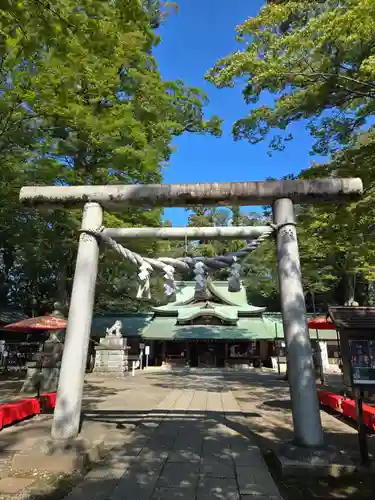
[(114, 330)]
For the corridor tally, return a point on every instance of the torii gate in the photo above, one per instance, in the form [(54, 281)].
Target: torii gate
[(282, 195)]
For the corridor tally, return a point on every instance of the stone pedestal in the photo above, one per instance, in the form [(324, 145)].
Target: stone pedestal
[(292, 460), (111, 357), (65, 456), (47, 377)]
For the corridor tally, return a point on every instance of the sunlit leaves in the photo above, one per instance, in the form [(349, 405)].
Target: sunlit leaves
[(315, 62), (82, 102), (313, 56)]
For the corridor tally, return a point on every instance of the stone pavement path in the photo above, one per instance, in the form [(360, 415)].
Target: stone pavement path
[(175, 435), (183, 449)]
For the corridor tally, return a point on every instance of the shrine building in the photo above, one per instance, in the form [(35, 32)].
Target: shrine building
[(215, 329)]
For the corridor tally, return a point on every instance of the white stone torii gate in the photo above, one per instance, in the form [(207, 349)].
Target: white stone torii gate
[(282, 195)]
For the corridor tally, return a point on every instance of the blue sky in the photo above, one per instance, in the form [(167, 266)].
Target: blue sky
[(192, 41)]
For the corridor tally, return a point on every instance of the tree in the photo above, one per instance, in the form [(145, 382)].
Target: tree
[(158, 11), (317, 60), (305, 53), (258, 269), (83, 102)]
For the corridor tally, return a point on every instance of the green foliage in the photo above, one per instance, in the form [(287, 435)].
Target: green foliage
[(158, 11), (325, 269), (82, 102), (258, 269), (316, 61), (313, 57)]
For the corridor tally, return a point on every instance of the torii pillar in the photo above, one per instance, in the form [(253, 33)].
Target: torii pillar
[(301, 374), (67, 415)]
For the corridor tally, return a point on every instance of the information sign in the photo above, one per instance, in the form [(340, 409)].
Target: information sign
[(362, 361)]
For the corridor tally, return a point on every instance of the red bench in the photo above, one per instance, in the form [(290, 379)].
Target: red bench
[(49, 400), (369, 416), (331, 400), (349, 409), (24, 408), (18, 410)]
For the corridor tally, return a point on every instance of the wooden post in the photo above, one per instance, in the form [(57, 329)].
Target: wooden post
[(362, 431), (164, 351), (187, 350), (277, 351), (321, 367)]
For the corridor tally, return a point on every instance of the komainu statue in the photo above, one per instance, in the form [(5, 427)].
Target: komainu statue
[(115, 330)]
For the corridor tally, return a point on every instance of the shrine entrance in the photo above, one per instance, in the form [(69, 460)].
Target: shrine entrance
[(281, 195), (207, 354)]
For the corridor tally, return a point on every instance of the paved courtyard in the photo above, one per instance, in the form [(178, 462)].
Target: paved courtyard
[(178, 436), (184, 448)]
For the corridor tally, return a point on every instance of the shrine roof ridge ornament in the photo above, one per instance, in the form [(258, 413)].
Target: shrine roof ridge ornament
[(182, 195)]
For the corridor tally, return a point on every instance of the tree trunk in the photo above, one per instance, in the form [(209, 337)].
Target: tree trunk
[(7, 257), (371, 293)]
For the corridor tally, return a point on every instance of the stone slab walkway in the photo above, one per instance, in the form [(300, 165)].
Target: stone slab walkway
[(183, 449), (181, 435), (174, 435)]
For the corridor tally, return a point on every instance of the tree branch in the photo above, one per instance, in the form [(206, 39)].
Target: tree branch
[(326, 76)]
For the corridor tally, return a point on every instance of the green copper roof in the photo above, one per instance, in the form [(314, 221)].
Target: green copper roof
[(219, 290), (162, 328), (247, 329), (185, 291), (188, 313), (226, 313), (132, 324), (239, 299), (136, 325)]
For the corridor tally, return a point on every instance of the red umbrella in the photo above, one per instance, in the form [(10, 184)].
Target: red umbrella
[(321, 323), (39, 323)]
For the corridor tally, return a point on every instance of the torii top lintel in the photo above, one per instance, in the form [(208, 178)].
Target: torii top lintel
[(182, 195)]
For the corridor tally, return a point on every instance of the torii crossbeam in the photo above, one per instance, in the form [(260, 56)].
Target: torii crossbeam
[(183, 195)]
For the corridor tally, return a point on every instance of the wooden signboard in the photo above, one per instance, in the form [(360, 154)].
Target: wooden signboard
[(362, 361)]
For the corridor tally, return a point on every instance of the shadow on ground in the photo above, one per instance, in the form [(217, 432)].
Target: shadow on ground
[(161, 455), (356, 486), (210, 381), (97, 392), (165, 457)]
